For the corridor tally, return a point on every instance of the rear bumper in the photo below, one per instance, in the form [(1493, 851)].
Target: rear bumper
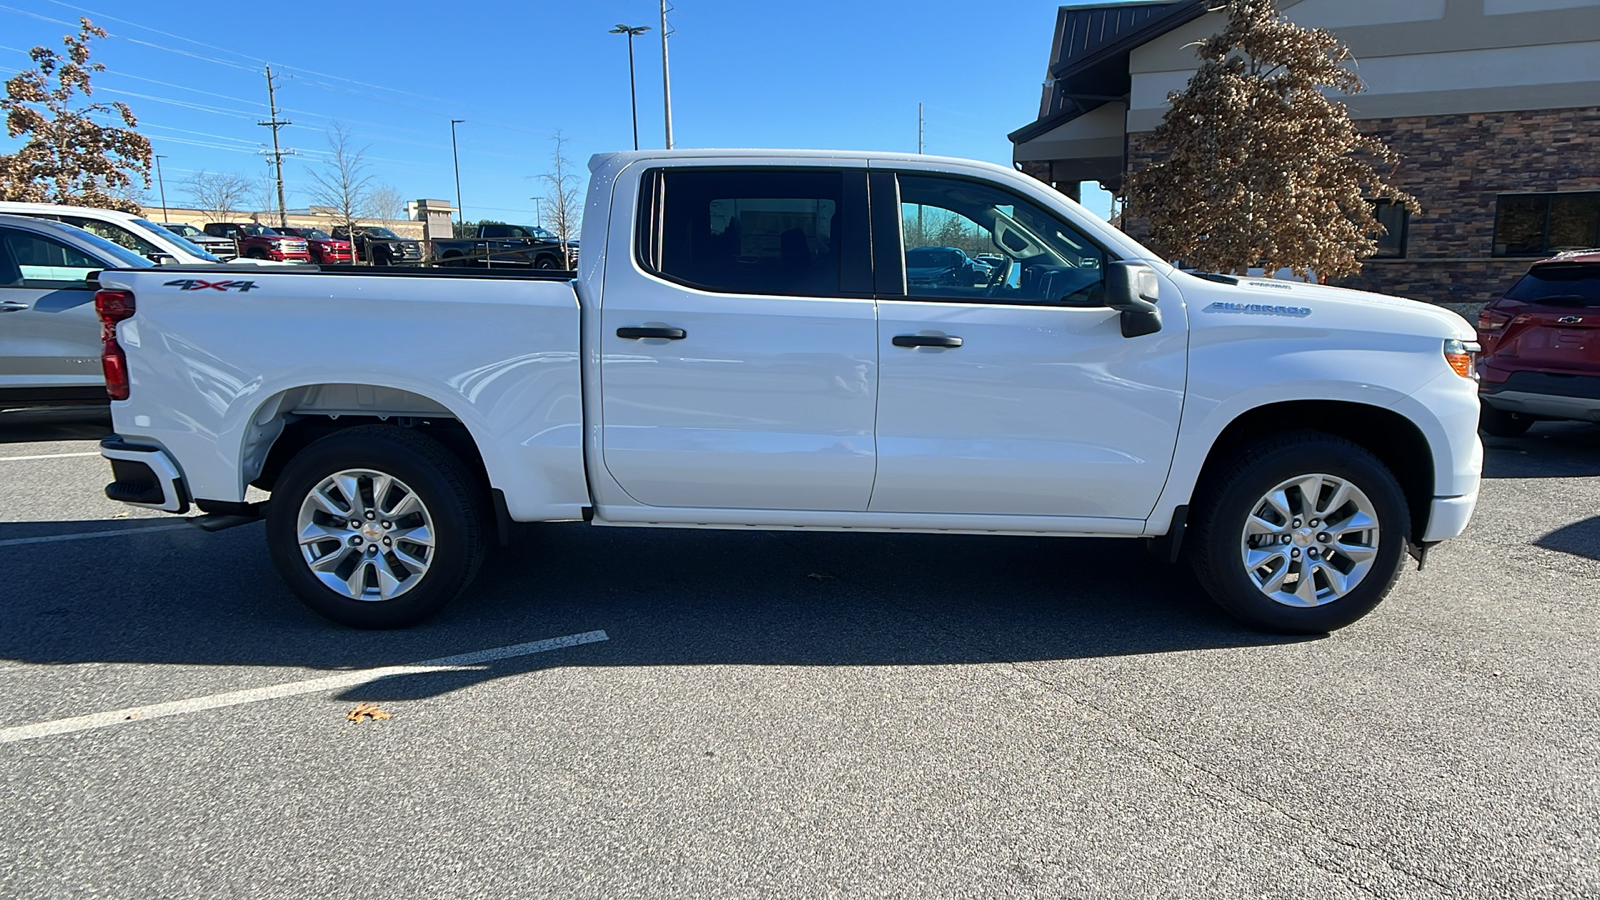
[(1546, 394), (144, 476)]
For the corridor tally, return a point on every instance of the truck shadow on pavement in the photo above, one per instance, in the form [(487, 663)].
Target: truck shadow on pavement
[(1548, 450), (664, 598), (67, 423), (1579, 539)]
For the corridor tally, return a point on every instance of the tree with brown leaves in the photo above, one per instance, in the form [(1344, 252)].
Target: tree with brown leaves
[(1261, 167), (67, 157)]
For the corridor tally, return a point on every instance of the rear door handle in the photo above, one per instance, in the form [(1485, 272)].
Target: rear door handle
[(12, 306), (949, 341), (639, 333)]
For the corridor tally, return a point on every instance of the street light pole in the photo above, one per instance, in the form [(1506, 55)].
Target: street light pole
[(163, 185), (456, 158), (633, 93), (666, 79)]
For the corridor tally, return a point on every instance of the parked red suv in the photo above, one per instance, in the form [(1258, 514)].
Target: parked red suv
[(326, 250), (1541, 346)]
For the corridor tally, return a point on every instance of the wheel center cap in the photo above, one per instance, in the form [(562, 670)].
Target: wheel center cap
[(1302, 538), (371, 531)]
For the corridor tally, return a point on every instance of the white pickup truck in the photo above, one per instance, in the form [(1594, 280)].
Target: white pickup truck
[(741, 347)]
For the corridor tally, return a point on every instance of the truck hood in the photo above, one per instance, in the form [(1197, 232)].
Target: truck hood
[(1297, 301)]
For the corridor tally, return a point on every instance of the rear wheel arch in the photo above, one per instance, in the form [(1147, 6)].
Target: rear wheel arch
[(1396, 441), (293, 419)]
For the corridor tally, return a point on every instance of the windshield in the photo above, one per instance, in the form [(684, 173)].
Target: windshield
[(171, 238), (927, 258), (256, 230), (125, 258), (1558, 285), (181, 230), (382, 234), (316, 234)]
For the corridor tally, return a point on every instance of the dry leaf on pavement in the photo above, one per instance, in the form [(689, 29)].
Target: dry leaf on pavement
[(365, 711)]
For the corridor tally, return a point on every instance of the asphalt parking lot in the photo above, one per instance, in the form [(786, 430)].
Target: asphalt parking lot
[(774, 714)]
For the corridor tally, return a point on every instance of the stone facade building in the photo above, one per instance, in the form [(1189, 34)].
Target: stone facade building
[(1493, 105)]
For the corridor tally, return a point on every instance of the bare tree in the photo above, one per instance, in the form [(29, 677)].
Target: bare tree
[(218, 194), (67, 156), (1261, 166), (343, 184), (264, 193), (386, 204), (561, 195)]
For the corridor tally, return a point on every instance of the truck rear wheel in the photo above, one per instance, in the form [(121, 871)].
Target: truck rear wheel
[(376, 527), (1303, 533)]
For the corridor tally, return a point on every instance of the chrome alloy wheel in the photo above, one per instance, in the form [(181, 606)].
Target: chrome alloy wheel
[(365, 534), (1310, 540)]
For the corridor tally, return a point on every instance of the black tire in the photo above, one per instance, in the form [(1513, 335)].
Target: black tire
[(439, 480), (1503, 423), (1226, 502), (254, 253), (544, 262)]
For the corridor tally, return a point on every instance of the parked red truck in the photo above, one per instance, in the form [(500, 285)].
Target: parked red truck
[(257, 241)]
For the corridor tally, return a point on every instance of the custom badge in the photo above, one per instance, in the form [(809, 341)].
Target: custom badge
[(196, 284)]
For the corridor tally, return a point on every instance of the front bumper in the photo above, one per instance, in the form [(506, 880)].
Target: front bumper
[(144, 476), (1448, 517)]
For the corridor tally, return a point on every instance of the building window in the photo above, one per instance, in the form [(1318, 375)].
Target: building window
[(1545, 224), (1395, 219)]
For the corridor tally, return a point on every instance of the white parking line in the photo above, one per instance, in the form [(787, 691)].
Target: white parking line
[(85, 535), (461, 662), (47, 456)]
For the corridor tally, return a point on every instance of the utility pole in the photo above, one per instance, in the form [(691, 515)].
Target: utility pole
[(666, 79), (633, 95), (456, 157), (277, 153), (919, 127), (163, 185)]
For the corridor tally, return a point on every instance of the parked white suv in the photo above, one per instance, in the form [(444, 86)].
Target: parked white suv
[(132, 232), (49, 336)]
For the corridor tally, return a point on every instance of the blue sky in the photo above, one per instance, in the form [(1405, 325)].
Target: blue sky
[(824, 73)]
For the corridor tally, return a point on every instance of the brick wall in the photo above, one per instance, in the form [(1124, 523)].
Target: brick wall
[(1455, 166)]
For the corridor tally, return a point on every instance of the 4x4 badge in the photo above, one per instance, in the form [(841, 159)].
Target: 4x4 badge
[(195, 284), (1570, 320)]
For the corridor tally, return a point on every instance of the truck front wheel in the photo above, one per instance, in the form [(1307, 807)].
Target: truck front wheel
[(376, 527), (1302, 533)]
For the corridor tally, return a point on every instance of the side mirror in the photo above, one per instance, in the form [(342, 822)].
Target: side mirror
[(163, 259), (1134, 289)]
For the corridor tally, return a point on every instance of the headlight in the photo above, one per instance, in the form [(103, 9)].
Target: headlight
[(1462, 357)]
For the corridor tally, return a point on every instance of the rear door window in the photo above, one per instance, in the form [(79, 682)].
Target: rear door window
[(1558, 285), (748, 231), (41, 260)]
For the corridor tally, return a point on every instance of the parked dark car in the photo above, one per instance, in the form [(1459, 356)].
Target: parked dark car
[(326, 250), (498, 244), (944, 266), (380, 246), (1541, 347), (257, 241)]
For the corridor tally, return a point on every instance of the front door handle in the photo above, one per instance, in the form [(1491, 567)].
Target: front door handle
[(639, 333), (948, 341), (12, 306)]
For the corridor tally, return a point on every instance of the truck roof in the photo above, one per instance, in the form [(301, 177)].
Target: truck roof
[(629, 156)]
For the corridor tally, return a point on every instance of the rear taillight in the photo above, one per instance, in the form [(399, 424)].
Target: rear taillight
[(1491, 321), (113, 307)]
